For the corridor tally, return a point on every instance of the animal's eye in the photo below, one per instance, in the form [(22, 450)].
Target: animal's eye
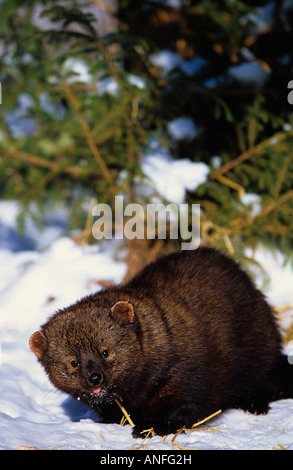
[(105, 354), (74, 364)]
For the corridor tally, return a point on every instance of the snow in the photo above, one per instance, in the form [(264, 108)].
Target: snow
[(171, 177), (253, 201), (108, 85), (261, 19), (279, 268), (42, 271), (249, 74), (184, 128), (19, 124), (33, 284), (80, 70), (167, 61)]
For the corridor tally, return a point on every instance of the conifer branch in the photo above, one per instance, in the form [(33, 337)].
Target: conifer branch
[(88, 133), (282, 174), (35, 160), (108, 58), (271, 141), (244, 221)]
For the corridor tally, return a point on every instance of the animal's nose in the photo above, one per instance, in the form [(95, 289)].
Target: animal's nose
[(95, 378)]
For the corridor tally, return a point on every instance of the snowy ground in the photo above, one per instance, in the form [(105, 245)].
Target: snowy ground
[(33, 284)]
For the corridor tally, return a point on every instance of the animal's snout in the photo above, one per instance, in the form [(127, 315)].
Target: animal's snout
[(94, 376)]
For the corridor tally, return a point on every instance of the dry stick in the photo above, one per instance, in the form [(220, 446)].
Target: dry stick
[(125, 413), (194, 425), (151, 430), (206, 419), (88, 134)]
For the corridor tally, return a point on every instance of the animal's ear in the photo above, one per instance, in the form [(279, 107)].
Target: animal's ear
[(123, 312), (38, 343)]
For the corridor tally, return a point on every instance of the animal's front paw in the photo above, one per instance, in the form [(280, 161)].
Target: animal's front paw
[(145, 430)]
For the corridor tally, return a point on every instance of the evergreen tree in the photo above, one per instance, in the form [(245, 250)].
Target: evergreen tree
[(65, 139)]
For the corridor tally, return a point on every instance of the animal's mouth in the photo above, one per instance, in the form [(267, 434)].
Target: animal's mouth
[(93, 395), (98, 394)]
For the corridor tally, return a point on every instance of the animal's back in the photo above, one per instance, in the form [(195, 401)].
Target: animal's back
[(220, 322)]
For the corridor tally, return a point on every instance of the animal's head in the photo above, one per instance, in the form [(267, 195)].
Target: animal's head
[(89, 352)]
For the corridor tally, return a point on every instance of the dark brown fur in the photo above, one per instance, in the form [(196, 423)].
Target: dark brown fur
[(187, 336)]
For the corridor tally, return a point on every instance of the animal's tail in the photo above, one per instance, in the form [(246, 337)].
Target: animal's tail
[(280, 380), (277, 385)]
